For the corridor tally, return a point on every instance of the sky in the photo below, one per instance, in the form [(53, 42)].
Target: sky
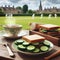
[(32, 4)]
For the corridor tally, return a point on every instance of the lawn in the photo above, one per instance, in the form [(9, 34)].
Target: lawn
[(25, 20)]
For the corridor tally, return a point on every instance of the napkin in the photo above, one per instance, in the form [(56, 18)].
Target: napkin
[(4, 55)]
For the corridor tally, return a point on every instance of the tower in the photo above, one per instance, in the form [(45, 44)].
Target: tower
[(40, 7), (5, 6), (13, 6), (8, 6)]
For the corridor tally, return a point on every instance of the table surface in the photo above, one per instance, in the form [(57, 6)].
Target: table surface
[(20, 56)]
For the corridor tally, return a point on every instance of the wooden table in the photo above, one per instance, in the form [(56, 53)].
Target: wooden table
[(20, 56)]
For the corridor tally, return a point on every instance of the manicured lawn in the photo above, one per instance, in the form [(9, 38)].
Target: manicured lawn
[(25, 20)]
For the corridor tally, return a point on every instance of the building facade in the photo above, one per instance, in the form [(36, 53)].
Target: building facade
[(47, 10), (7, 9)]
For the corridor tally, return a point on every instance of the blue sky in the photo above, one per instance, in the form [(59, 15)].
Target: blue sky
[(33, 4)]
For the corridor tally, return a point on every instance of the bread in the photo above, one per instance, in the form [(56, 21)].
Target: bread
[(33, 38), (49, 26)]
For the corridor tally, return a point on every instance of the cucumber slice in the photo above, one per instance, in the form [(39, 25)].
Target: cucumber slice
[(25, 43), (44, 48), (19, 41), (31, 48), (43, 30), (35, 43), (36, 50), (46, 42), (21, 47)]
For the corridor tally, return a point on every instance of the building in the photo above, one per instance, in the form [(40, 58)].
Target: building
[(40, 7), (8, 9), (47, 10), (51, 10)]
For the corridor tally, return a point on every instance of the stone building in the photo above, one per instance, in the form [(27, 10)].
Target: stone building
[(40, 7), (47, 10), (8, 9)]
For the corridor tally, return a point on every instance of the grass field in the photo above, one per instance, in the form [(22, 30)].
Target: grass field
[(25, 20)]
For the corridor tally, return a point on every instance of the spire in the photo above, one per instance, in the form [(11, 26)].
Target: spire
[(13, 6), (40, 7), (5, 5)]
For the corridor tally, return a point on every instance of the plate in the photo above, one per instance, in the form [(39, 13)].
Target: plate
[(14, 47), (22, 33)]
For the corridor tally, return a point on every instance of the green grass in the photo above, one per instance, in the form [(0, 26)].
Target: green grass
[(25, 20)]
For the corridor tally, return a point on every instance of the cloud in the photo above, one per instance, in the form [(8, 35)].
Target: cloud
[(51, 3), (46, 4), (14, 1), (5, 2), (54, 1), (32, 4)]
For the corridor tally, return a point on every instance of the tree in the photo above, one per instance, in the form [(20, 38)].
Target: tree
[(30, 11), (18, 7), (1, 12), (25, 8)]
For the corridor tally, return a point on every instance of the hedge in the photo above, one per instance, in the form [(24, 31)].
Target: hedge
[(35, 14), (22, 14), (44, 14), (2, 14)]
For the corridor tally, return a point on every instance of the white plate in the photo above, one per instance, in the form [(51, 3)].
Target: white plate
[(22, 33)]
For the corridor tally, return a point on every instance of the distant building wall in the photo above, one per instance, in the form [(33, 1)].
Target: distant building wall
[(47, 10), (10, 10)]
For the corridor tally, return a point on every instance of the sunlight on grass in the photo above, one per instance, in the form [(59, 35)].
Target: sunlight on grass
[(25, 20)]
